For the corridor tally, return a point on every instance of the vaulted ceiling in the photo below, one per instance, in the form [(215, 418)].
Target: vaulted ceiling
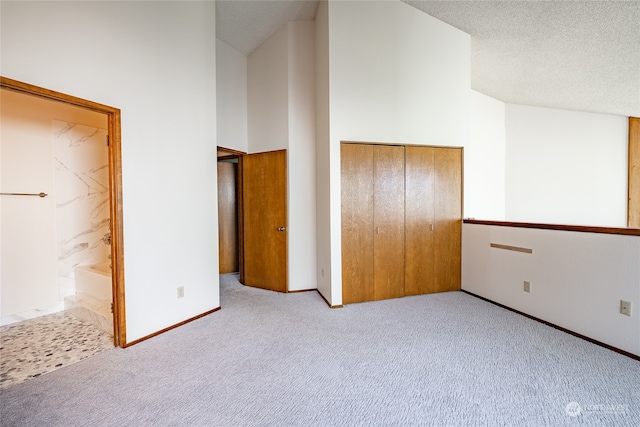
[(576, 55)]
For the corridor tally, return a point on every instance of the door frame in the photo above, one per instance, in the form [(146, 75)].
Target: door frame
[(115, 192), (224, 153)]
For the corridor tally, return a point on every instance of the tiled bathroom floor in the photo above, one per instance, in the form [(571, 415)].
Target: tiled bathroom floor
[(34, 347), (31, 314)]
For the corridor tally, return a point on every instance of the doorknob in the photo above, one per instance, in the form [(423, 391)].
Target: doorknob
[(282, 228)]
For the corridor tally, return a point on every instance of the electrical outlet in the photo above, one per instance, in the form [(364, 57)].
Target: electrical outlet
[(180, 291), (625, 307), (527, 286)]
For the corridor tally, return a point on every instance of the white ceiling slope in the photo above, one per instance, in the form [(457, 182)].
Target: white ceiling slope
[(576, 55), (246, 24), (565, 54)]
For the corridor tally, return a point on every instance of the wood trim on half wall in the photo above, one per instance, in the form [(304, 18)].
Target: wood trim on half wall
[(560, 227), (633, 208), (115, 189)]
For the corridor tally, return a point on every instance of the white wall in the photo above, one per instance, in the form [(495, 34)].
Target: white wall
[(301, 156), (281, 104), (139, 57), (29, 258), (323, 165), (566, 167), (231, 93), (29, 243), (82, 198), (268, 94), (395, 75), (577, 279), (485, 193)]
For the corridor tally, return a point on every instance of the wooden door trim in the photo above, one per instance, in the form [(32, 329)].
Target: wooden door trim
[(115, 192), (401, 144), (241, 217), (633, 206), (229, 152), (237, 155), (228, 254)]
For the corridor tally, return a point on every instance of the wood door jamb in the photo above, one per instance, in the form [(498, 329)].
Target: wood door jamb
[(633, 189)]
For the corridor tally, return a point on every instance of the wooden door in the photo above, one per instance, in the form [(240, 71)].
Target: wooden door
[(447, 235), (228, 217), (419, 220), (264, 214), (357, 222), (388, 215)]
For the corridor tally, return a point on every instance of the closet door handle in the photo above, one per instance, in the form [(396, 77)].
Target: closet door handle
[(282, 228), (431, 227), (377, 230)]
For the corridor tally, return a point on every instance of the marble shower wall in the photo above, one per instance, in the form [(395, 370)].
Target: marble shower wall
[(82, 198)]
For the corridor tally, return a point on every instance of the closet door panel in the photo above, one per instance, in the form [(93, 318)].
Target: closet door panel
[(357, 222), (419, 220), (388, 212), (447, 234)]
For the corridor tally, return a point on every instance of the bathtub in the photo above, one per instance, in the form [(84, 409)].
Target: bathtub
[(94, 280), (92, 301)]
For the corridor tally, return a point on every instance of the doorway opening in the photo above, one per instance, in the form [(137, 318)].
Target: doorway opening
[(230, 211), (254, 194), (114, 237)]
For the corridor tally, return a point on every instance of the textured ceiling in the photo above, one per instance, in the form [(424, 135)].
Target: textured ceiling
[(565, 54), (573, 55), (245, 25)]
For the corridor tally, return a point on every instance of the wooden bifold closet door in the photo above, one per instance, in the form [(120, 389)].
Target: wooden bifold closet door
[(434, 219), (357, 222), (401, 220), (420, 220), (372, 222), (388, 221)]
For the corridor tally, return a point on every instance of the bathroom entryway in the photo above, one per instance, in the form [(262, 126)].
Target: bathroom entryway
[(77, 218)]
